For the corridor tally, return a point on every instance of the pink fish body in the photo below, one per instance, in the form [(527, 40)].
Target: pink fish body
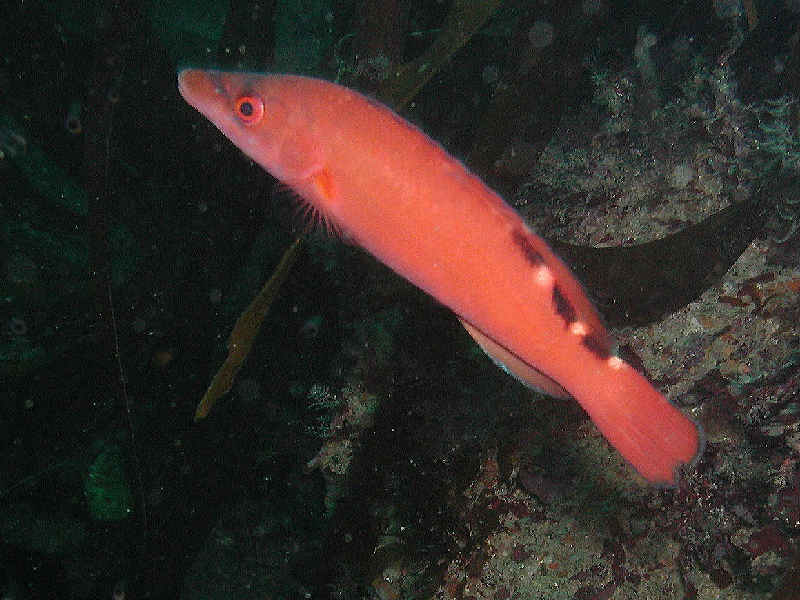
[(399, 195)]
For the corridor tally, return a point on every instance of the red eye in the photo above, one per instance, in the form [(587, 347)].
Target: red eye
[(249, 109)]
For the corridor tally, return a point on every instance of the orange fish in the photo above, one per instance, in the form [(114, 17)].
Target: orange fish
[(372, 176)]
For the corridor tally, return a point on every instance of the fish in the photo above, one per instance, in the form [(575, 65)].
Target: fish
[(380, 182)]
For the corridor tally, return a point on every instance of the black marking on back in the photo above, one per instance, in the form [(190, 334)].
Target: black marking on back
[(597, 346), (524, 244), (563, 306)]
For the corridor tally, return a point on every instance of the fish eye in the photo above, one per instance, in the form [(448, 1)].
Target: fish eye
[(249, 109)]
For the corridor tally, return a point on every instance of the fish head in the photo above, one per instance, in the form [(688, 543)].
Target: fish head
[(262, 114)]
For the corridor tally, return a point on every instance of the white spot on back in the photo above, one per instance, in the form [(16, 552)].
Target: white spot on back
[(543, 276), (579, 328)]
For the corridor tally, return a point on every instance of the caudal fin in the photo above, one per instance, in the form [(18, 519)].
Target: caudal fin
[(650, 432)]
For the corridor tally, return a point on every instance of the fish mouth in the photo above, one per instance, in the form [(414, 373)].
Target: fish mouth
[(189, 80), (198, 85)]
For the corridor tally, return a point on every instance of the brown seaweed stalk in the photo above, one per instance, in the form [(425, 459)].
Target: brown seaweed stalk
[(245, 331)]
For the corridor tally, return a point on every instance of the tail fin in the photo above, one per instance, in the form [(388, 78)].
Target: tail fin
[(650, 432)]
